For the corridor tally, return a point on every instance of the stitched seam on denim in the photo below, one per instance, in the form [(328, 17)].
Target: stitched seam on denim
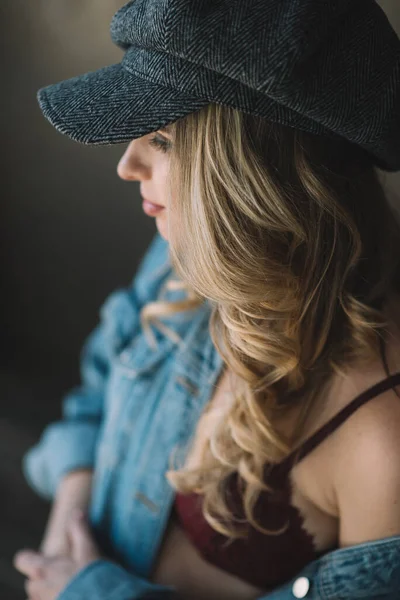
[(365, 547), (339, 559), (329, 589), (82, 574), (325, 584)]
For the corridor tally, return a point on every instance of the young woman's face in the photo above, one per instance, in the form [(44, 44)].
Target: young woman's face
[(146, 159)]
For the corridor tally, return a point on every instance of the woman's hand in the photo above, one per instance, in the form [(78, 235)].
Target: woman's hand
[(49, 575)]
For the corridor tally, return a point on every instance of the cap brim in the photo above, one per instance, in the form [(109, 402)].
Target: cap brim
[(112, 106)]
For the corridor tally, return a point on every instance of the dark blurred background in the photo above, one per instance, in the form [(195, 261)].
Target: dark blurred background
[(70, 233)]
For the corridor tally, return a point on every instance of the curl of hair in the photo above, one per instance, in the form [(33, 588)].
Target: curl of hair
[(292, 239)]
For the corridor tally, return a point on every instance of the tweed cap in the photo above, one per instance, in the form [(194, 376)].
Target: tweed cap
[(329, 67)]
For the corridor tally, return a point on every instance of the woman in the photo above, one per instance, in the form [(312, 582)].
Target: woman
[(277, 377)]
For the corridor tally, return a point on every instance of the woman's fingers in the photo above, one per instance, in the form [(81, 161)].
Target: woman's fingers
[(48, 575), (35, 590), (30, 563)]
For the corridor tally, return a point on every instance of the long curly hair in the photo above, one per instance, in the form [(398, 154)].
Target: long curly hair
[(292, 239)]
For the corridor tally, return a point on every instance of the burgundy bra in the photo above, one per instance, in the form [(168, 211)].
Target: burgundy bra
[(267, 561)]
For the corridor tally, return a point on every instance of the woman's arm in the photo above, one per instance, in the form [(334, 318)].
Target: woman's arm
[(73, 492)]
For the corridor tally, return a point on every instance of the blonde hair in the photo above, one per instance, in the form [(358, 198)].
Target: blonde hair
[(291, 238)]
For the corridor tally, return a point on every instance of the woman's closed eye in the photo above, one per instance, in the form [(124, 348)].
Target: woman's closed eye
[(160, 143)]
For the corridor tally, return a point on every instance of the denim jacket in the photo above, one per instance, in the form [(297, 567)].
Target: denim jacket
[(136, 404)]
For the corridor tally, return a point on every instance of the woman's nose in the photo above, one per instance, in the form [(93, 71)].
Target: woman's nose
[(131, 168)]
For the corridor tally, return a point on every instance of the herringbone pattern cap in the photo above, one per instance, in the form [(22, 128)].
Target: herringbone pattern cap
[(329, 67)]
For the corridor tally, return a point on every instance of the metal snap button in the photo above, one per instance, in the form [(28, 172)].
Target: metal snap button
[(300, 587)]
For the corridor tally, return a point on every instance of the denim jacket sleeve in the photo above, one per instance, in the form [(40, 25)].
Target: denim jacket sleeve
[(70, 443), (369, 571)]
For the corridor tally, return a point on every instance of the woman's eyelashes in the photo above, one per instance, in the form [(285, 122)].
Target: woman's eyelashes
[(160, 143)]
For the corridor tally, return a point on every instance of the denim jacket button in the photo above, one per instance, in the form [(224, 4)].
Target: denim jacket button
[(300, 587)]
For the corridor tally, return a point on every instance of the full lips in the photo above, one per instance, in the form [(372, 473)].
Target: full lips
[(152, 209)]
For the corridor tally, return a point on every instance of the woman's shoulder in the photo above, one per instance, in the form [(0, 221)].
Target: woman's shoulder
[(354, 474), (344, 389), (371, 431), (365, 469), (365, 466), (382, 410), (365, 443)]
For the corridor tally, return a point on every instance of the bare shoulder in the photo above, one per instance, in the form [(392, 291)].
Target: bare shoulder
[(366, 448), (351, 479), (362, 450), (372, 431), (376, 423), (365, 445), (366, 471)]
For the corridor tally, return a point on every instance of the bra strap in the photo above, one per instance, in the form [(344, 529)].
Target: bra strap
[(333, 423)]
